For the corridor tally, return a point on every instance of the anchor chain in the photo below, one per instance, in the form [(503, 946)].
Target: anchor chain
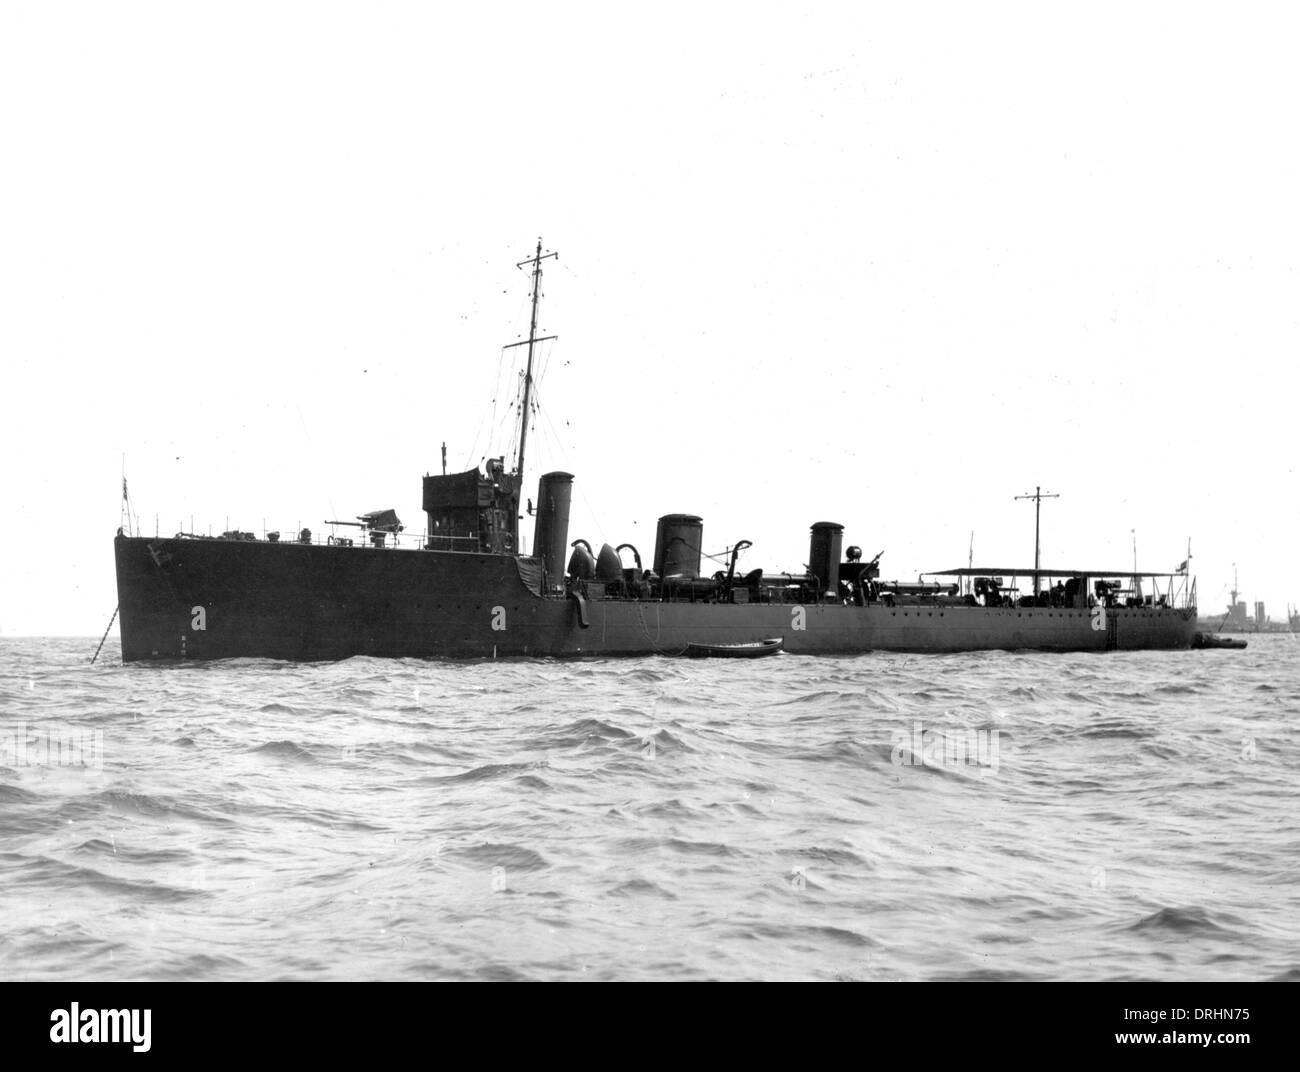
[(105, 636)]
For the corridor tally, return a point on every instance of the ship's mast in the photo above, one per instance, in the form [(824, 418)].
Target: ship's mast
[(970, 561), (533, 340), (1038, 496)]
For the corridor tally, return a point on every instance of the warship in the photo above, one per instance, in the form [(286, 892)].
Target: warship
[(469, 591)]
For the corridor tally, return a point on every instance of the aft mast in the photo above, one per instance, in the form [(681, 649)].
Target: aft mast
[(533, 340), (1038, 496)]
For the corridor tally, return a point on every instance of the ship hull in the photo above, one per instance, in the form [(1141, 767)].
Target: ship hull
[(213, 599)]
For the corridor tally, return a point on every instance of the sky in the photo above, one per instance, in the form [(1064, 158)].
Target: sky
[(885, 265)]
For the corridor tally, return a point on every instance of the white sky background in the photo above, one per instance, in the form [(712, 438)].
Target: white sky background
[(888, 265)]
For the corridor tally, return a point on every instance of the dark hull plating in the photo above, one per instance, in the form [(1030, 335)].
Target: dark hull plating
[(212, 599)]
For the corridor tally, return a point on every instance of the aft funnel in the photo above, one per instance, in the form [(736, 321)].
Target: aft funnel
[(677, 546)]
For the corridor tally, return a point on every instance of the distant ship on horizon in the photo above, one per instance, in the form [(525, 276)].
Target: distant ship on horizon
[(1241, 618)]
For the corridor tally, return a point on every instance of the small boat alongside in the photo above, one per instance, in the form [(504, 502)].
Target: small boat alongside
[(1213, 640), (754, 650)]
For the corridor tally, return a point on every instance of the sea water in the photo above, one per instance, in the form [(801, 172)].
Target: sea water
[(994, 815)]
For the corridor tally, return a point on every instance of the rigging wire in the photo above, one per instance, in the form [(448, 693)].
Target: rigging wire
[(564, 460), (512, 417), (490, 421), (516, 404), (543, 363), (551, 438)]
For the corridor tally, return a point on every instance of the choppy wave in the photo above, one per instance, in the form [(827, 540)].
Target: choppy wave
[(983, 817)]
